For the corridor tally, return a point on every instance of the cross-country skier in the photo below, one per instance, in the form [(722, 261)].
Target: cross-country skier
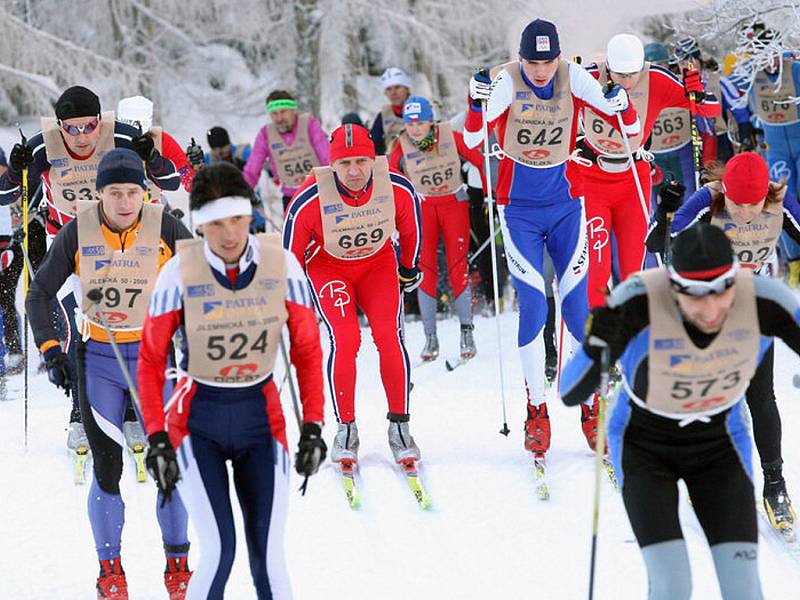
[(222, 150), (689, 337), (613, 203), (65, 155), (430, 154), (753, 212), (388, 123), (293, 142), (116, 246), (771, 98), (230, 294), (138, 112), (534, 106), (339, 225)]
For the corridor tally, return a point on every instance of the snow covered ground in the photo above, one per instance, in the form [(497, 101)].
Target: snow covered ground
[(488, 536)]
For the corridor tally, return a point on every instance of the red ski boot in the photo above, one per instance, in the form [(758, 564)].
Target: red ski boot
[(537, 429), (112, 585), (589, 422), (176, 577)]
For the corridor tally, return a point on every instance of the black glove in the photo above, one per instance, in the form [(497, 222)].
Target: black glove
[(195, 156), (311, 450), (671, 196), (162, 464), (145, 147), (59, 370), (409, 278), (746, 137), (604, 328), (21, 157), (177, 213)]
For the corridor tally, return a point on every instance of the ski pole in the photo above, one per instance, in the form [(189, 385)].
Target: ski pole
[(25, 282), (697, 143), (95, 296), (480, 249), (490, 199), (600, 447), (290, 380), (635, 173)]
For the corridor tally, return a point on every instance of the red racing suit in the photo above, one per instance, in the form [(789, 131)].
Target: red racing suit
[(612, 200), (370, 283)]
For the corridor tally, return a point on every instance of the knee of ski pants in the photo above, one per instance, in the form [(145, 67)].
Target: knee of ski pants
[(532, 312), (345, 340), (575, 309)]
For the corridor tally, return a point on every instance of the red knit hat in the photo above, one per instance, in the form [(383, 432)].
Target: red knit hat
[(351, 140), (746, 178)]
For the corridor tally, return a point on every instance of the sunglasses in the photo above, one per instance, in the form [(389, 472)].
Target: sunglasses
[(86, 128), (698, 287)]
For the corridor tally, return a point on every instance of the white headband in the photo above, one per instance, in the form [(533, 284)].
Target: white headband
[(227, 206)]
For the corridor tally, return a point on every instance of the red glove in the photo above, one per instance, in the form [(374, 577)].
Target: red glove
[(657, 174), (692, 82)]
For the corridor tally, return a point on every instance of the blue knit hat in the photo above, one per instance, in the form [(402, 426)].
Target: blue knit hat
[(539, 41), (120, 165), (417, 109)]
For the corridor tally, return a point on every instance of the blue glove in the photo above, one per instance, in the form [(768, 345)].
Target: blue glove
[(617, 97), (59, 370)]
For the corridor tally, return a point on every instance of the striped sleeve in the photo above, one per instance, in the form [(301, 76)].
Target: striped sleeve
[(299, 220), (305, 349), (163, 320), (408, 219)]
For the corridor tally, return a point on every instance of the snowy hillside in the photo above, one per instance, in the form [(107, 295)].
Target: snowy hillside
[(488, 536)]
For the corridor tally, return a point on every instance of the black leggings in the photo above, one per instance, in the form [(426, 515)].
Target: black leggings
[(766, 418), (656, 453)]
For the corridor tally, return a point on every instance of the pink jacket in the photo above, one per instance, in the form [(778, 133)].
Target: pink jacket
[(261, 152)]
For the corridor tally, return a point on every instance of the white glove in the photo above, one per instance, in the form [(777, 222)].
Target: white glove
[(480, 87), (617, 98)]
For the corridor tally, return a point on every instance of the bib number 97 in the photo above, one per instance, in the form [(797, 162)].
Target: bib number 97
[(113, 297)]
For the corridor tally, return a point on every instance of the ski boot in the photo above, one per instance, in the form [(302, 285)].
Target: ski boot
[(589, 421), (15, 364), (111, 584), (177, 576), (777, 503), (468, 349), (345, 443), (537, 429), (404, 448), (136, 442), (431, 349), (78, 446)]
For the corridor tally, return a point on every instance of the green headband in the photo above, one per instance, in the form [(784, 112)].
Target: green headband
[(281, 104)]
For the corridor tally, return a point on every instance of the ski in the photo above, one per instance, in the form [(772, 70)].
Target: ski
[(137, 451), (540, 471), (612, 475), (451, 364), (422, 497), (783, 533), (349, 482), (81, 457)]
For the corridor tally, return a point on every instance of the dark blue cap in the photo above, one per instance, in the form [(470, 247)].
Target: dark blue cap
[(539, 41), (120, 165)]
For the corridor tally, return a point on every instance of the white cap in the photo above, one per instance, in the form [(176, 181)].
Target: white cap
[(394, 76), (625, 54), (136, 111)]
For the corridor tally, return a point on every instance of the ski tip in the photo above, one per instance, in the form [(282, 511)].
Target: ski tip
[(448, 365)]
